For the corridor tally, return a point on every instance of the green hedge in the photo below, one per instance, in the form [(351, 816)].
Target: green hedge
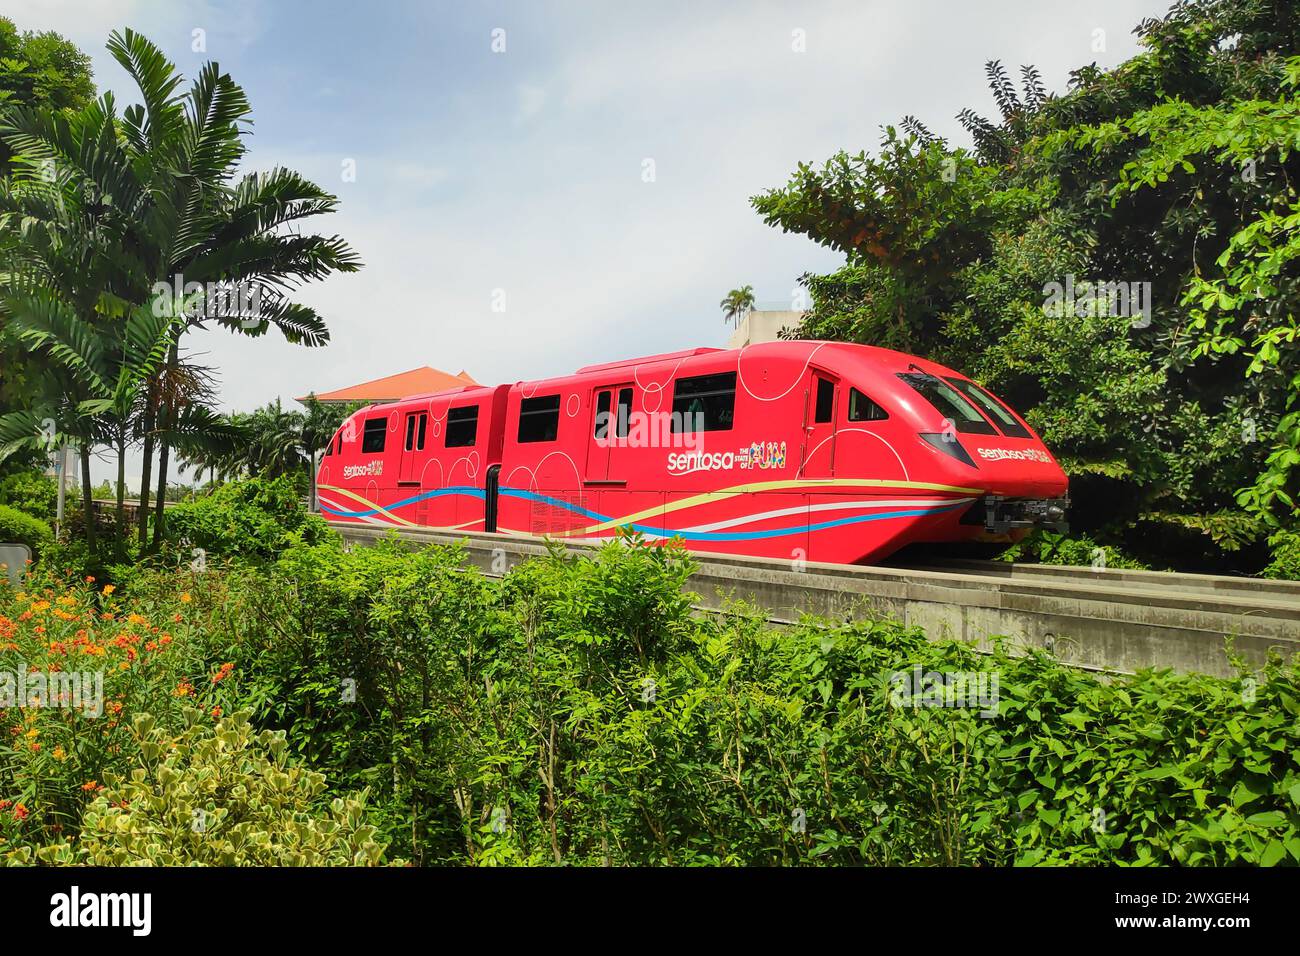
[(250, 519), (17, 527), (33, 493)]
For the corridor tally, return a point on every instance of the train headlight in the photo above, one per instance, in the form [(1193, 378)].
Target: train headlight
[(949, 445)]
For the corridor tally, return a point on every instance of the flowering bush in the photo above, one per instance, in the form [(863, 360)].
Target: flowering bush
[(76, 662), (220, 795)]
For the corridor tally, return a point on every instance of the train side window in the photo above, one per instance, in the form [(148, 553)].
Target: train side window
[(1001, 416), (624, 412), (372, 439), (462, 426), (825, 410), (863, 409), (602, 416), (949, 402), (539, 419), (704, 403), (424, 427), (410, 432)]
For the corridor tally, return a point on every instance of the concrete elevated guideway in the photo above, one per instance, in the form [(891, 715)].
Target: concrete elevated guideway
[(1100, 620)]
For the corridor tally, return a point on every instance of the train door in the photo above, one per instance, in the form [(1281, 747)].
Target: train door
[(610, 423), (818, 456), (414, 432)]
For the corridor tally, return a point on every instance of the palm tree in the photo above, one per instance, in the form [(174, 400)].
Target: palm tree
[(207, 228), (63, 213), (274, 441), (146, 198), (737, 303)]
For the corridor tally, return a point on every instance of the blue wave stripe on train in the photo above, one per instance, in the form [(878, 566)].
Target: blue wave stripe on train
[(651, 529)]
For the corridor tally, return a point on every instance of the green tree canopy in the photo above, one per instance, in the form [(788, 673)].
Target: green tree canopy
[(1169, 179)]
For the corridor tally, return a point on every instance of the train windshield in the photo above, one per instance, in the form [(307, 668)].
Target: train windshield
[(949, 403), (1000, 414)]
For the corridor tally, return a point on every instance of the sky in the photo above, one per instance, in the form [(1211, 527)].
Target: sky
[(536, 186)]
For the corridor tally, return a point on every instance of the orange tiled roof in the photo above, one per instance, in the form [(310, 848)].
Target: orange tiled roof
[(417, 381)]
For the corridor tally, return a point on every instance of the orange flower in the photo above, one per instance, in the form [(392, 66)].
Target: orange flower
[(20, 812), (183, 689), (109, 589), (90, 579), (176, 618), (92, 785), (185, 598), (216, 711)]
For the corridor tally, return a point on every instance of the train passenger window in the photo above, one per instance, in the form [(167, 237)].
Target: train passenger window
[(704, 403), (462, 426), (863, 409), (372, 439), (624, 412), (825, 410), (949, 402), (539, 418), (424, 426), (602, 416), (1001, 416), (410, 432)]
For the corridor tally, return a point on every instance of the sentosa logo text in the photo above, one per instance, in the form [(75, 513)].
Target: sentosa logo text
[(375, 467), (684, 463), (1018, 454)]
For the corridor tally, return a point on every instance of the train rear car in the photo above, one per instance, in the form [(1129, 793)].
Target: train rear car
[(420, 462)]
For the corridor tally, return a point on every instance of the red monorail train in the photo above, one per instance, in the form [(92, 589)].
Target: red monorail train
[(819, 451)]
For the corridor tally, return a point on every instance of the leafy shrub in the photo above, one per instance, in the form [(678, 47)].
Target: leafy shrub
[(577, 712), (17, 527), (33, 493), (215, 796), (254, 518), (1045, 547), (1285, 549)]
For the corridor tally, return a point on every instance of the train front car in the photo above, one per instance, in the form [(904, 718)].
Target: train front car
[(994, 478)]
